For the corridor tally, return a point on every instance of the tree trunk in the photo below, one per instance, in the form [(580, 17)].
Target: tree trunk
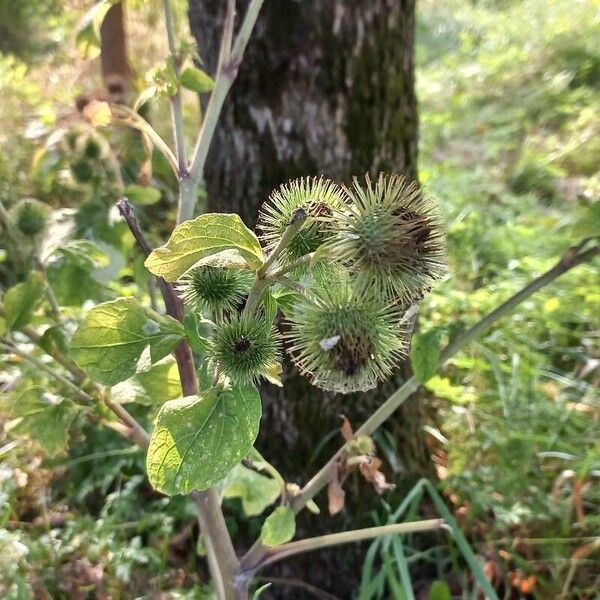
[(113, 54), (326, 87)]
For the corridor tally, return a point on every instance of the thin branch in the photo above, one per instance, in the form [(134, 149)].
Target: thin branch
[(243, 36), (254, 296), (571, 258), (229, 61), (223, 562), (48, 289), (176, 105), (297, 221), (346, 537), (301, 262), (81, 395), (263, 279), (128, 117), (138, 434)]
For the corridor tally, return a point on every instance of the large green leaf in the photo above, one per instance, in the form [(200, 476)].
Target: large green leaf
[(255, 490), (42, 418), (425, 354), (197, 440), (204, 236), (279, 527), (113, 337), (160, 382), (21, 300)]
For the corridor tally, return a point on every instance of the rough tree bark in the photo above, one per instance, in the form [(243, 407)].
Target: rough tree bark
[(326, 87)]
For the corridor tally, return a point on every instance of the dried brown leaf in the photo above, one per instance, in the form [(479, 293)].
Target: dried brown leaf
[(369, 469), (346, 429), (335, 493)]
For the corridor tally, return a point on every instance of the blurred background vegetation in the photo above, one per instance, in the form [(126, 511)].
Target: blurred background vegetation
[(509, 142)]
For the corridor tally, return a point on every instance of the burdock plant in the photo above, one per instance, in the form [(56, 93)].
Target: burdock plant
[(30, 217), (245, 348), (345, 341), (335, 280), (390, 237), (316, 198), (214, 290)]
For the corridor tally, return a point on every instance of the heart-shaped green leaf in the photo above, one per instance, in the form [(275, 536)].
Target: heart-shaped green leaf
[(201, 237), (279, 527), (197, 440), (113, 336), (255, 490)]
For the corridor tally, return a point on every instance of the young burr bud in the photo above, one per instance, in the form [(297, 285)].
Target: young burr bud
[(30, 217), (392, 238), (214, 289), (245, 349), (345, 342), (314, 198)]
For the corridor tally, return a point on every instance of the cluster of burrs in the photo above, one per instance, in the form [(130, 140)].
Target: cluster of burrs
[(364, 255)]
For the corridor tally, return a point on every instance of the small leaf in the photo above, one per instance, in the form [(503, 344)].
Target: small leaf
[(201, 237), (142, 195), (21, 300), (144, 96), (258, 593), (271, 307), (346, 429), (197, 332), (88, 31), (255, 490), (113, 336), (370, 470), (160, 383), (439, 590), (83, 253), (425, 354), (198, 440), (42, 418), (54, 339), (196, 80), (98, 113), (588, 223), (279, 527), (336, 496), (273, 374)]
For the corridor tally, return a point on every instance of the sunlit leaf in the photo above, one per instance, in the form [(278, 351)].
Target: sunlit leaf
[(425, 354), (279, 527), (42, 418), (196, 80), (197, 440), (111, 339), (161, 382), (204, 236), (142, 195), (254, 490), (21, 300), (98, 113)]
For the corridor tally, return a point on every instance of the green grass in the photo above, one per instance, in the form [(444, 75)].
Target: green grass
[(509, 143)]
